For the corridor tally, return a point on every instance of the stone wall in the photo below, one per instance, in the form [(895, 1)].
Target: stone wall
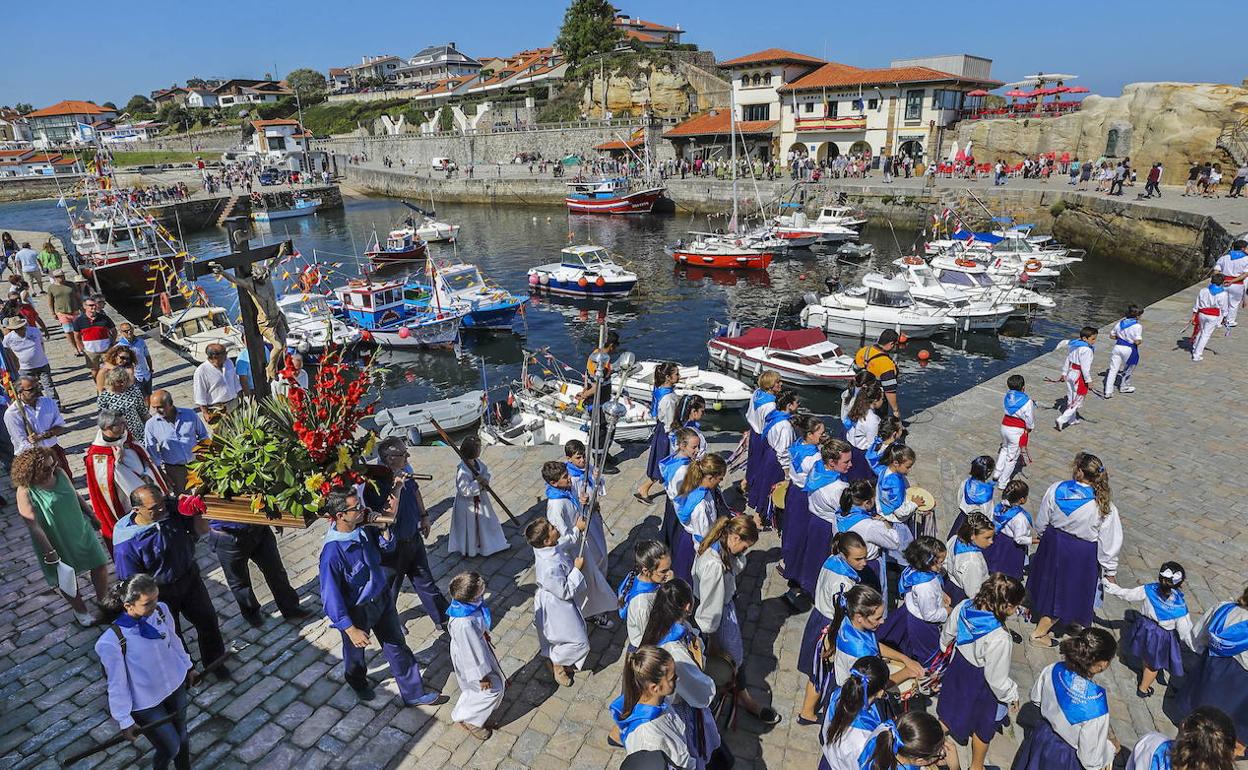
[(29, 188), (202, 213), (1174, 123), (218, 139)]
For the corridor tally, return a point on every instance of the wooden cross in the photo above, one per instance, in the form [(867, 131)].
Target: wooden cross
[(241, 258)]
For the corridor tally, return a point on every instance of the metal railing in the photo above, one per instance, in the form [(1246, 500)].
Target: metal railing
[(1234, 140)]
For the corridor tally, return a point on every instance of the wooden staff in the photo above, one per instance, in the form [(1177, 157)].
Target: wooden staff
[(475, 475)]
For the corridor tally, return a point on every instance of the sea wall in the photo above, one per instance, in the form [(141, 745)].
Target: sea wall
[(201, 213), (28, 188)]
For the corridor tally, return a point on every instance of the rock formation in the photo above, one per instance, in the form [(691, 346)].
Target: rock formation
[(674, 89)]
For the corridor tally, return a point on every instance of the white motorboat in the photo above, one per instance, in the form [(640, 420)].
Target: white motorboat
[(194, 329), (556, 400), (435, 231), (586, 272), (718, 390), (969, 313), (415, 423), (802, 356), (792, 237), (855, 250), (835, 224), (975, 279), (1011, 246), (313, 324), (302, 207), (879, 303), (523, 429), (1007, 267)]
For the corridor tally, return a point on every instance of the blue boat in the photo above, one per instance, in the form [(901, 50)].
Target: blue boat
[(379, 311), (461, 289)]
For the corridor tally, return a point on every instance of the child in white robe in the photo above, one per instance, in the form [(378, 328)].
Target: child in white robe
[(564, 512), (561, 634), (1016, 426), (480, 676), (1209, 312), (475, 529)]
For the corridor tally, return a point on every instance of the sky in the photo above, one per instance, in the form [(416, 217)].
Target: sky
[(99, 52)]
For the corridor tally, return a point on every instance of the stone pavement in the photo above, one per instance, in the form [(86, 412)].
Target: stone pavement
[(290, 708)]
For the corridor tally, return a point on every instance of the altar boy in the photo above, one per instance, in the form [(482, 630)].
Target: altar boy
[(564, 510), (358, 602), (561, 634)]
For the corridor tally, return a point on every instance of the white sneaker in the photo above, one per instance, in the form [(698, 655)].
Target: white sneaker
[(1109, 394), (1197, 358), (1126, 389), (1233, 323)]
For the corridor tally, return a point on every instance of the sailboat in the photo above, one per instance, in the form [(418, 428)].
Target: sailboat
[(732, 250)]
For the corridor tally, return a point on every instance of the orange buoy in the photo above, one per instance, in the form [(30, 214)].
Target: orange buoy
[(924, 355), (902, 339), (801, 277), (600, 281), (582, 282)]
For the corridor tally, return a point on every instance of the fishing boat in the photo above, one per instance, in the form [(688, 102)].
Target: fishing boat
[(429, 229), (462, 289), (978, 313), (127, 257), (976, 281), (877, 304), (313, 324), (721, 251), (192, 330), (802, 356), (611, 196), (831, 226), (402, 247), (301, 207), (585, 272), (718, 390), (378, 309), (414, 423), (555, 399)]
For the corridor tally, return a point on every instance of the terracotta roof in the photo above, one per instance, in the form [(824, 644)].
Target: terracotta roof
[(335, 71), (14, 156), (445, 86), (834, 75), (642, 37), (716, 123), (770, 55), (70, 107), (629, 21), (637, 139), (267, 123)]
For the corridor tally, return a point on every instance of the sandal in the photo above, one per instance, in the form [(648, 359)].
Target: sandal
[(480, 733), (801, 720), (1045, 642), (1144, 693), (641, 498)]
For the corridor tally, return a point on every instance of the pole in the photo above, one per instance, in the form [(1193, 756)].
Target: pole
[(239, 234), (475, 475)]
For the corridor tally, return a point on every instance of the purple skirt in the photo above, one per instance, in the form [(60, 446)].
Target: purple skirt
[(859, 467), (1218, 682), (816, 548), (793, 526), (955, 593), (810, 640), (671, 524), (767, 473), (1156, 647), (967, 704), (958, 521), (753, 458), (1043, 749), (913, 636), (1064, 578), (683, 554), (660, 448), (871, 574), (1006, 556)]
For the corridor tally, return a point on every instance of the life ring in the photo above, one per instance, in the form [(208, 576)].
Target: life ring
[(1032, 265), (962, 262), (912, 260)]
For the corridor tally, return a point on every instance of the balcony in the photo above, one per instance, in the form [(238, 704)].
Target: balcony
[(846, 123)]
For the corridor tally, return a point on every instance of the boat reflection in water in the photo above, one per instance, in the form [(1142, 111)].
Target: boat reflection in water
[(724, 277)]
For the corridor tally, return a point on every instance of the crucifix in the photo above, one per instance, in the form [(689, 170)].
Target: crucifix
[(257, 301)]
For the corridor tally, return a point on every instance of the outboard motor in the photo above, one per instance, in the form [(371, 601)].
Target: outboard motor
[(810, 298)]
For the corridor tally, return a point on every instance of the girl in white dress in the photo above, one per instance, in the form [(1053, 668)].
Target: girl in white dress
[(854, 714), (480, 676), (644, 713), (475, 530), (561, 634)]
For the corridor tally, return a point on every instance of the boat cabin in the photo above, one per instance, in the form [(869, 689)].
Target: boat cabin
[(586, 257), (886, 292), (600, 189), (400, 240), (194, 321), (835, 214), (372, 305)]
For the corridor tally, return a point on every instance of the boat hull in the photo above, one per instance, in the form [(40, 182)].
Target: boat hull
[(453, 414), (134, 281), (748, 366), (269, 216), (431, 234), (639, 202), (589, 291), (850, 324), (492, 319), (426, 335), (727, 261), (383, 258)]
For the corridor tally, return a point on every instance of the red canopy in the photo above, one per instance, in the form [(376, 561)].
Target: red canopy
[(977, 92), (781, 340), (1019, 94), (1076, 90)]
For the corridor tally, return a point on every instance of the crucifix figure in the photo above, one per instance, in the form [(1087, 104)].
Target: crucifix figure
[(257, 297)]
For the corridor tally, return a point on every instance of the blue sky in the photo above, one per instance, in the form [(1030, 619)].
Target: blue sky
[(110, 51)]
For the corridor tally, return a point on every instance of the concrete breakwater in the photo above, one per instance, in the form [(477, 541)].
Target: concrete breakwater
[(201, 212), (29, 188)]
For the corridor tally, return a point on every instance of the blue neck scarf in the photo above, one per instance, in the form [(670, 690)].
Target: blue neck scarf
[(670, 464), (854, 642), (685, 504), (333, 535), (1215, 290), (1073, 345), (1161, 757), (632, 587), (974, 624), (695, 424), (1126, 323), (848, 521), (146, 630), (679, 632), (798, 452), (1226, 641), (761, 398), (960, 547), (978, 492), (773, 419), (640, 715), (459, 609), (868, 717), (555, 493), (1015, 400), (891, 491), (866, 759), (911, 577), (660, 393), (579, 473), (1171, 608), (836, 563), (819, 477), (1080, 699), (1071, 495), (1004, 513)]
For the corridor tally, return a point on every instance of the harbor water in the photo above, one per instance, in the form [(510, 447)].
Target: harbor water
[(671, 315)]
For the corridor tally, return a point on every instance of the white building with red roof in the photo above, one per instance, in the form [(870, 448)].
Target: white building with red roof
[(647, 33), (59, 124)]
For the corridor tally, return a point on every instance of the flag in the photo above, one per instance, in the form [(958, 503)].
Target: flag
[(60, 202)]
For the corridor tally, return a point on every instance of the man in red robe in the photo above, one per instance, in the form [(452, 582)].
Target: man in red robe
[(116, 466)]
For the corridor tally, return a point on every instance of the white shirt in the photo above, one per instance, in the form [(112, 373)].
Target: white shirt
[(1090, 739), (1141, 757), (1133, 333), (1085, 523), (28, 350), (281, 386), (1080, 355), (42, 417), (215, 386), (926, 601), (1231, 267), (825, 501), (149, 671), (1182, 624), (1207, 299), (863, 432), (991, 652), (758, 417), (1027, 413), (665, 734), (713, 587), (29, 260), (968, 570), (1237, 615), (780, 437)]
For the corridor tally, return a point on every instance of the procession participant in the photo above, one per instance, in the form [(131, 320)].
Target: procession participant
[(1220, 676), (877, 359), (1016, 426), (1073, 731), (1008, 552), (577, 462), (663, 409), (408, 560), (762, 403), (147, 670), (215, 385), (824, 483), (603, 392), (116, 466), (804, 455), (1233, 266), (858, 514), (652, 568), (170, 436), (643, 714), (566, 514), (721, 557), (862, 378), (1160, 624), (1080, 537), (862, 427), (892, 500), (914, 627), (1206, 741), (158, 539), (1128, 335), (561, 634), (976, 690), (892, 431), (914, 740), (853, 714), (95, 330), (975, 494), (358, 602), (858, 616), (838, 575), (773, 464), (673, 469), (696, 511), (475, 529), (41, 423), (482, 682), (1077, 374), (967, 569), (1212, 306)]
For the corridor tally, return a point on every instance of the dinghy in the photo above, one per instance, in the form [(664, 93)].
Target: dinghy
[(718, 390), (415, 423), (802, 357)]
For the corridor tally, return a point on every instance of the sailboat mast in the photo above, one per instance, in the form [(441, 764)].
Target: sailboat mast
[(732, 142)]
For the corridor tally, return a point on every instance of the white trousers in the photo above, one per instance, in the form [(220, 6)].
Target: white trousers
[(1234, 295), (1118, 356), (1008, 457), (1074, 399), (1207, 323)]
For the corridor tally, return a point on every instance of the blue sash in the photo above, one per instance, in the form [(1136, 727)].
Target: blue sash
[(761, 398), (974, 624), (1004, 513), (977, 492), (819, 477), (960, 547), (555, 493), (640, 715), (773, 419), (1015, 400), (659, 395), (1226, 641), (630, 589), (1166, 609), (458, 609), (685, 504), (911, 577), (892, 491), (1080, 699), (836, 563), (1215, 290), (856, 643), (578, 473), (1161, 757), (799, 451), (1070, 496), (669, 465), (873, 454), (847, 522)]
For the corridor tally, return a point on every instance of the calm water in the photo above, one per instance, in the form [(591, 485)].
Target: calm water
[(672, 314)]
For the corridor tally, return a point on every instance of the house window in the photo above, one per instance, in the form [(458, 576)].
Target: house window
[(830, 109), (914, 104), (767, 79), (756, 112), (945, 100), (873, 104), (808, 107)]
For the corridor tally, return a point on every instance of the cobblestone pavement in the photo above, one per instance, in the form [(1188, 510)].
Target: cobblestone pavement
[(290, 708)]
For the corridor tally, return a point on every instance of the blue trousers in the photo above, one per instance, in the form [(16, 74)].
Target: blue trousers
[(380, 618), (170, 739), (409, 560)]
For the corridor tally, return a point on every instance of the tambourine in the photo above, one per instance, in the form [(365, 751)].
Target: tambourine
[(924, 501), (777, 494)]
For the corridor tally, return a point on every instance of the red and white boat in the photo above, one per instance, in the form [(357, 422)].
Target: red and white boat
[(721, 251), (611, 196), (802, 356), (402, 246)]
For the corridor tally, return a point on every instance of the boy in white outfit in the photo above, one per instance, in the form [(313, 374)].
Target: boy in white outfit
[(1077, 374), (1208, 314), (1128, 335), (1233, 266)]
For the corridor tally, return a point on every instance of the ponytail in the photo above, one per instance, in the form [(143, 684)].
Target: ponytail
[(868, 678), (644, 667), (671, 606), (711, 465), (858, 492), (741, 526), (663, 372), (867, 395), (1206, 741), (998, 594), (1089, 466), (917, 735), (686, 406), (125, 592)]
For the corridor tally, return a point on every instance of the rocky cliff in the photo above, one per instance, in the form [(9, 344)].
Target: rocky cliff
[(672, 88), (1175, 123)]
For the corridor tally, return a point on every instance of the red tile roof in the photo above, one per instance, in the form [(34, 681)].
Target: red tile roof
[(617, 144), (771, 55), (643, 37), (629, 21), (267, 123), (716, 123), (335, 71), (835, 75), (70, 107)]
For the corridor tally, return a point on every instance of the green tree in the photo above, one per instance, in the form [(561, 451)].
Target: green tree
[(196, 83), (587, 30), (22, 108), (175, 116), (140, 104), (308, 83)]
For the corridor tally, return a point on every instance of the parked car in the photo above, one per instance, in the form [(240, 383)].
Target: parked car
[(270, 176), (443, 164)]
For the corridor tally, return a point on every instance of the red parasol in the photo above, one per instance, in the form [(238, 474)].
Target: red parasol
[(1077, 90), (1019, 94), (977, 92)]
